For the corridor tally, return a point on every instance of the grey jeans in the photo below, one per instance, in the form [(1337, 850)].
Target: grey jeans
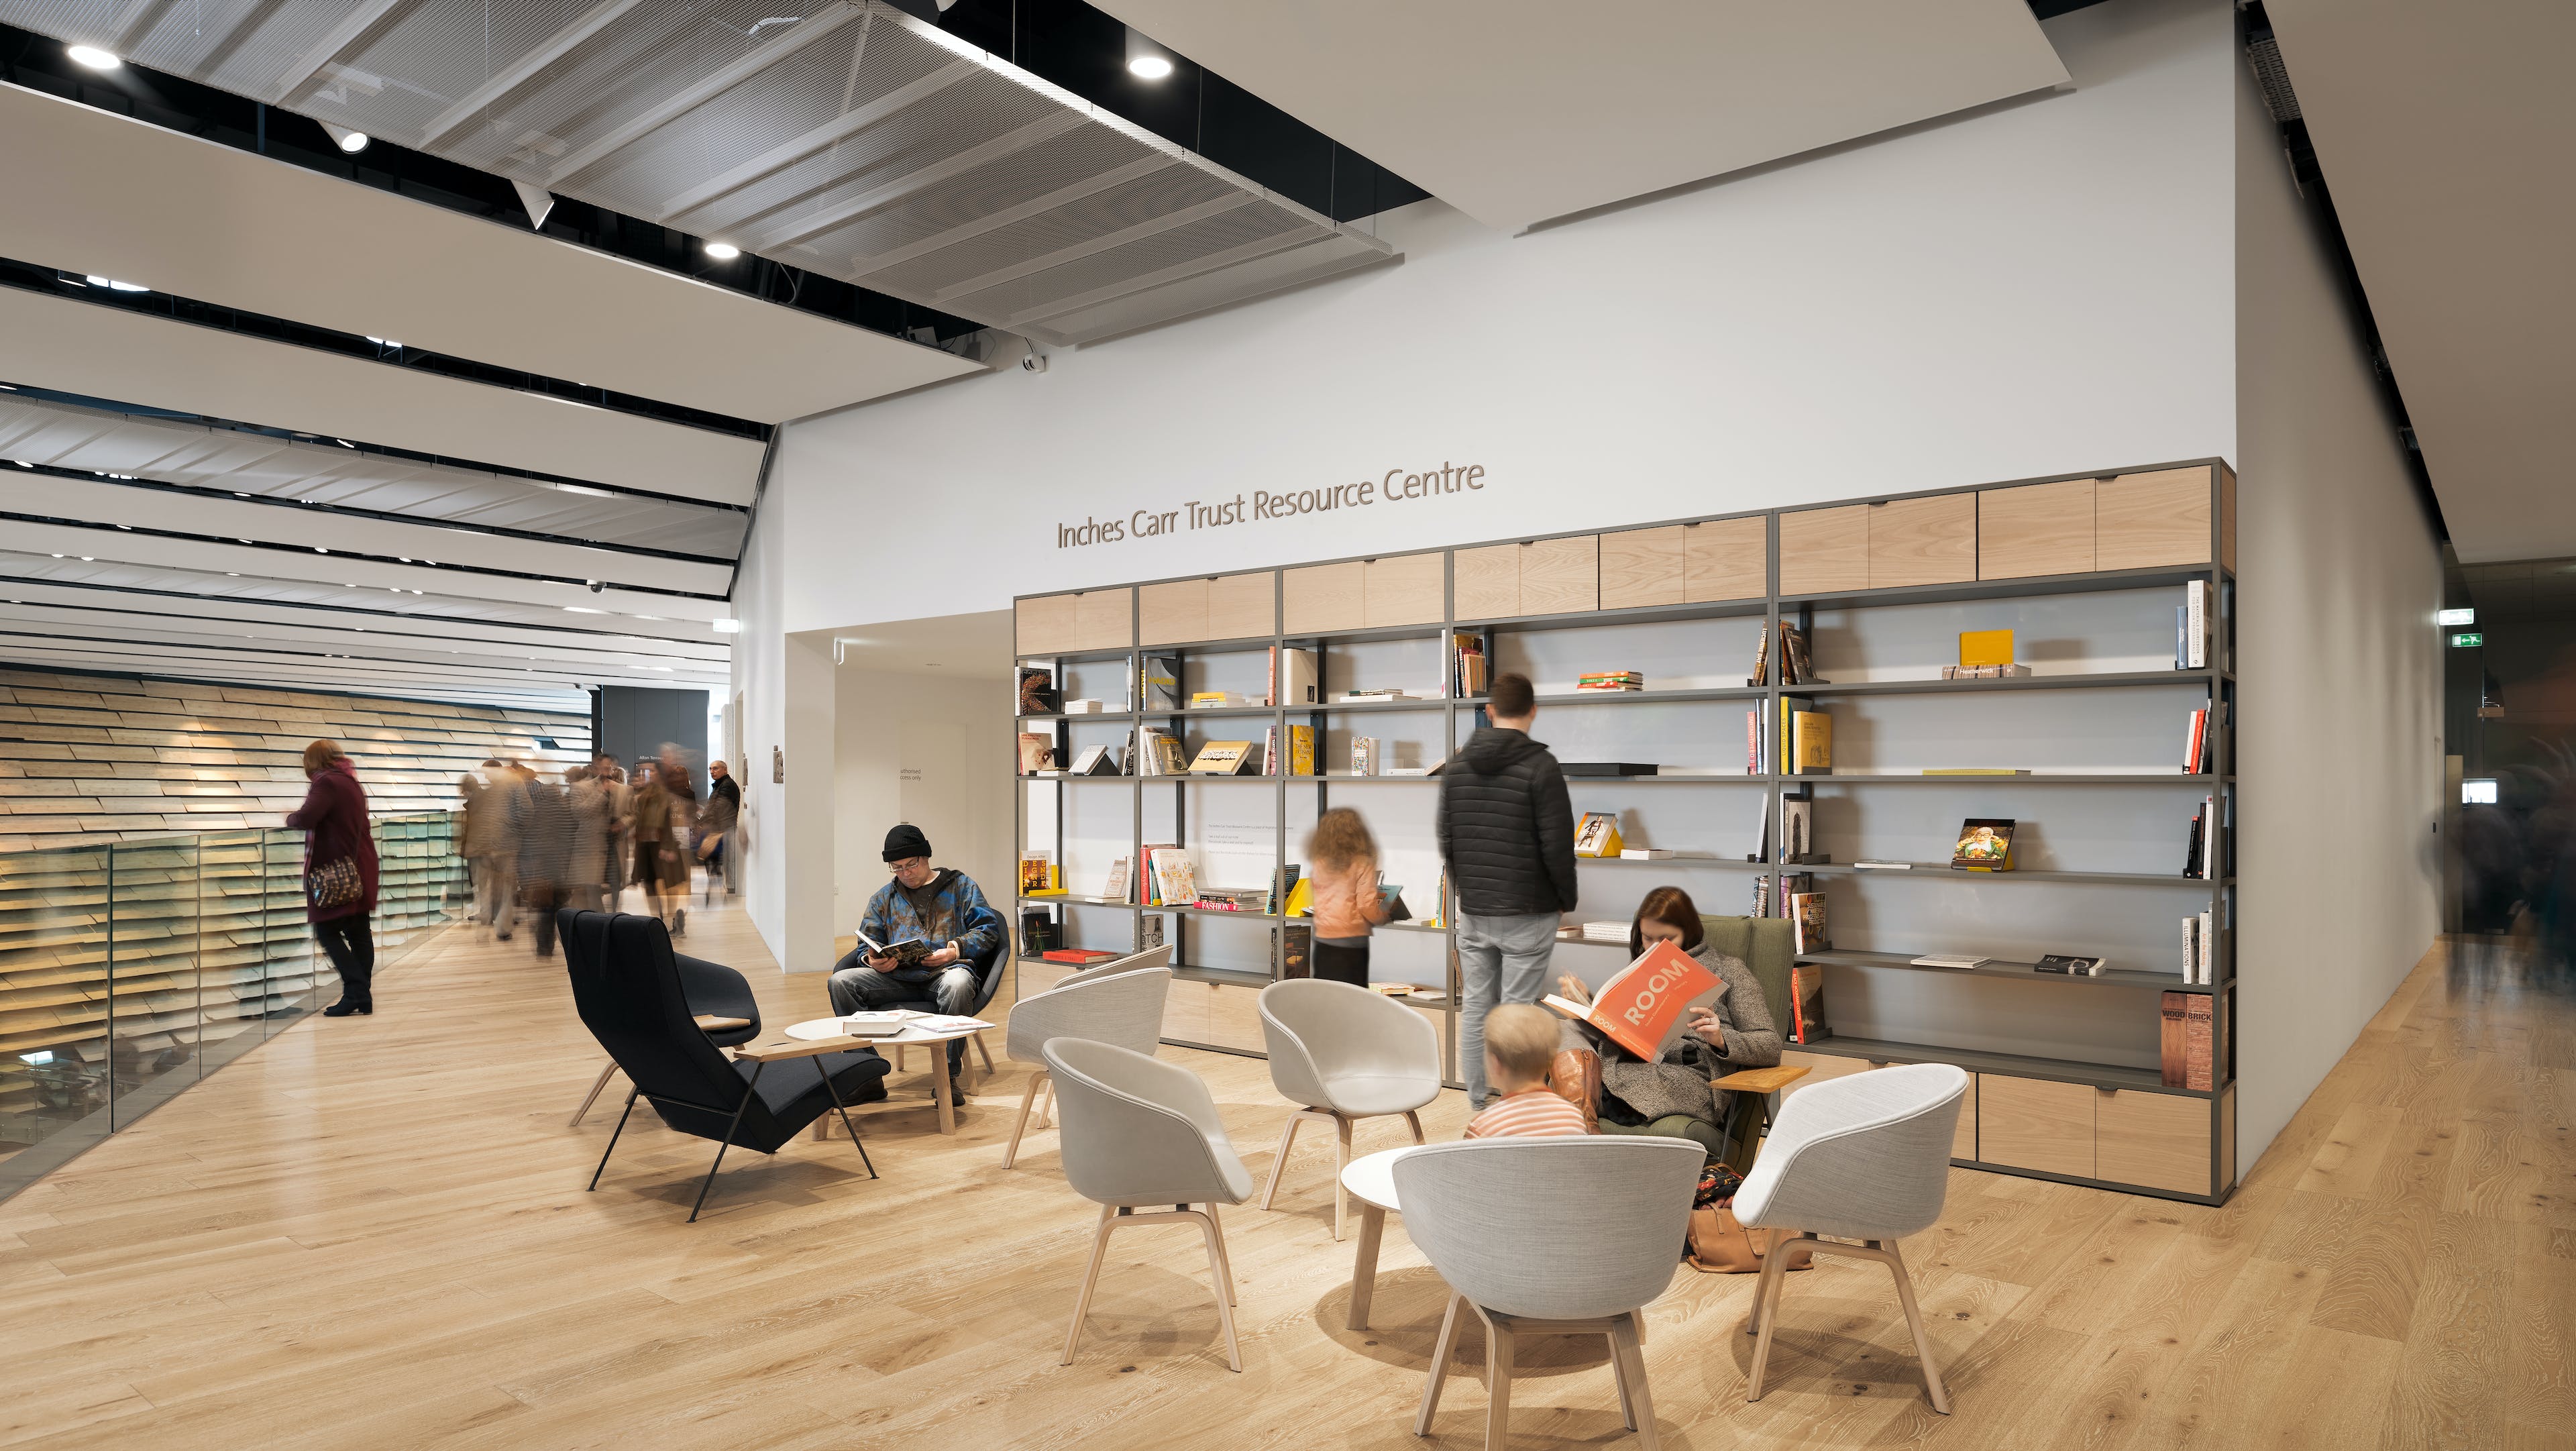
[(1500, 959)]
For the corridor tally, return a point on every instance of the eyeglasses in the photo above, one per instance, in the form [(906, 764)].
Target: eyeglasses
[(908, 862)]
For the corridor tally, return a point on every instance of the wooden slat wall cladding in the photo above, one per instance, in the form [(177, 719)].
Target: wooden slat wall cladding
[(89, 758)]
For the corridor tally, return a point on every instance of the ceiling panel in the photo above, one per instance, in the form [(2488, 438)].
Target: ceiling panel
[(93, 192), (234, 460), (830, 139), (2439, 128), (1516, 111), (104, 352)]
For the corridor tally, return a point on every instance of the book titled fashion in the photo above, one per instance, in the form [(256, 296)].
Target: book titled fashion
[(1646, 1005), (1985, 845)]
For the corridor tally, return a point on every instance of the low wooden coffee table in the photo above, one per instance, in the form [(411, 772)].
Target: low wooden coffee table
[(815, 1030)]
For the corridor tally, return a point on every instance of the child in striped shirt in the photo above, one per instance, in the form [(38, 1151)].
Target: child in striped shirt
[(1520, 1042)]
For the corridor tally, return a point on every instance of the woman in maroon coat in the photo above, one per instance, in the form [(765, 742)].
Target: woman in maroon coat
[(333, 819)]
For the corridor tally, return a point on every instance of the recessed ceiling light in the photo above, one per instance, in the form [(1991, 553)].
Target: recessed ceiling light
[(93, 57), (727, 627), (113, 285), (89, 559), (347, 140), (125, 526), (582, 610), (57, 556), (344, 443), (22, 463), (318, 549), (1150, 68), (723, 251)]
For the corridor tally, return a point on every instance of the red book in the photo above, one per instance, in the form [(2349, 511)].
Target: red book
[(2192, 744), (1642, 1009), (1079, 956)]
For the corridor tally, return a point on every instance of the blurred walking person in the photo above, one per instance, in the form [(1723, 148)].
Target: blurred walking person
[(1348, 902), (594, 825), (663, 809), (492, 825), (611, 777), (715, 828), (339, 873), (545, 857)]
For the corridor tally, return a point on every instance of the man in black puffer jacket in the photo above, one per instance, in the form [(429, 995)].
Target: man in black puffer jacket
[(1507, 834)]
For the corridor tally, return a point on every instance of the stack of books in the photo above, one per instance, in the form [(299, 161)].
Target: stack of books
[(1614, 932), (1610, 680), (1219, 700), (1983, 672), (1364, 696), (1214, 899)]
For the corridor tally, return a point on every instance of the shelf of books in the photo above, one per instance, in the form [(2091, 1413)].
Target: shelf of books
[(1727, 696)]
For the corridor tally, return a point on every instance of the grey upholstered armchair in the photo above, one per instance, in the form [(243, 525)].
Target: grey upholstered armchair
[(1346, 1054)]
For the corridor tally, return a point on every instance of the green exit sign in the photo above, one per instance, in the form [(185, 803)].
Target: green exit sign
[(2467, 640)]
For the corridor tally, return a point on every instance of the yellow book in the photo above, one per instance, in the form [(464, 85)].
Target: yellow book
[(1985, 647), (1597, 834), (1301, 897), (1301, 750), (1813, 739), (1222, 758)]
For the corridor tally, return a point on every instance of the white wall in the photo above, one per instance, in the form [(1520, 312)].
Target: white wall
[(2340, 666), (931, 750), (2038, 290)]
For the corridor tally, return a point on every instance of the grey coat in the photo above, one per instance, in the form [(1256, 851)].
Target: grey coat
[(1677, 1083)]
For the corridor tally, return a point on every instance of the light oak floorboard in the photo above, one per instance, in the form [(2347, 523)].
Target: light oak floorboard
[(372, 1231)]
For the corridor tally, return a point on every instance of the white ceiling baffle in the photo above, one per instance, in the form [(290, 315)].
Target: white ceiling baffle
[(851, 140)]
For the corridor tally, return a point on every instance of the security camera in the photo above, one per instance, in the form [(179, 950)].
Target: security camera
[(596, 586), (1035, 362)]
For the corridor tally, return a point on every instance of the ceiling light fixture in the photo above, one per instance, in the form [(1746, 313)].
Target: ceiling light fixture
[(723, 251), (1147, 61), (93, 57), (582, 610), (113, 285), (350, 142), (727, 627)]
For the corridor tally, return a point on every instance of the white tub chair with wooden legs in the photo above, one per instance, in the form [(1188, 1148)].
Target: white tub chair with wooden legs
[(1138, 1132), (1114, 1004), (1562, 1236), (1346, 1054), (1867, 1158)]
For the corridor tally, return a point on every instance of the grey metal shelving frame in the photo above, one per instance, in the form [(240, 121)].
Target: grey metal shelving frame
[(1773, 608)]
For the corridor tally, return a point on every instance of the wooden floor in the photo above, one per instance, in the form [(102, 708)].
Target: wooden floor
[(372, 1233)]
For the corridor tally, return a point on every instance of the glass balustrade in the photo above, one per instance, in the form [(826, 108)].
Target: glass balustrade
[(131, 970)]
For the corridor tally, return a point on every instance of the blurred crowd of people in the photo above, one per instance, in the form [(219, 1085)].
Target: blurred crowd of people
[(535, 845), (2518, 860)]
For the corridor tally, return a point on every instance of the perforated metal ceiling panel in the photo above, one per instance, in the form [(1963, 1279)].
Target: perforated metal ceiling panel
[(168, 451), (850, 139)]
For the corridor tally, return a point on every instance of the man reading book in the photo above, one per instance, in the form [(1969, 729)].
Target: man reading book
[(932, 934)]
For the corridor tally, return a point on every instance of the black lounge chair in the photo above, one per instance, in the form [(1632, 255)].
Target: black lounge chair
[(626, 985)]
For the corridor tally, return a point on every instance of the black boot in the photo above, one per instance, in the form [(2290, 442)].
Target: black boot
[(346, 1006)]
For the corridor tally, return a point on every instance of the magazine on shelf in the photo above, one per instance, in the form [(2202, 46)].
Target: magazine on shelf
[(1985, 844)]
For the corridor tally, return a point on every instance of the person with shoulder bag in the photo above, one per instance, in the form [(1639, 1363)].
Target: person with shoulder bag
[(339, 873)]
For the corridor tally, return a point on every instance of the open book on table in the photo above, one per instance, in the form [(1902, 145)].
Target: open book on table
[(1646, 1005)]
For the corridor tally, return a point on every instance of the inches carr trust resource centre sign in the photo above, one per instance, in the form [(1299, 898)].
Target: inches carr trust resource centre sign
[(1395, 487)]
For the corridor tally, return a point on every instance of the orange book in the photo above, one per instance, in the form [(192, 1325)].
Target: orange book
[(1643, 1009)]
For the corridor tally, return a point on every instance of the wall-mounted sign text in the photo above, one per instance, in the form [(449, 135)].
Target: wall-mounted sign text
[(1260, 506)]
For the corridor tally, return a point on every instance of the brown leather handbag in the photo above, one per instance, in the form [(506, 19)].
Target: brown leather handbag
[(1576, 1077), (1721, 1245)]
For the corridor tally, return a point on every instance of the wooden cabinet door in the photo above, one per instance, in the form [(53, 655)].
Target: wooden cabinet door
[(1923, 541), (1242, 606), (1963, 1139), (2159, 1140), (1486, 581), (1045, 624), (1824, 551), (1104, 619), (1322, 599), (1404, 589), (1167, 614), (2035, 529), (2031, 1123), (2152, 521), (1234, 1018), (1726, 559), (1560, 576), (1643, 567), (1185, 1012)]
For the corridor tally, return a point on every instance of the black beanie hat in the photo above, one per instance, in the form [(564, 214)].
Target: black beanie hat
[(905, 841)]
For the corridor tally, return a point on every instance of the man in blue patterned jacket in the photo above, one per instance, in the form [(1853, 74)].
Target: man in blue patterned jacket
[(943, 909)]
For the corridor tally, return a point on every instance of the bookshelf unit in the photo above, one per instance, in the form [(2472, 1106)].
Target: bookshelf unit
[(2085, 568)]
